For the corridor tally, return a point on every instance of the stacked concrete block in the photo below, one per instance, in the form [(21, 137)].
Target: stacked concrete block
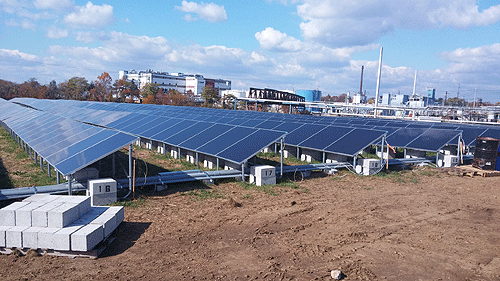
[(14, 236), (42, 198), (23, 214), (61, 223), (63, 215), (3, 229), (62, 237), (30, 237), (87, 237), (46, 237), (39, 216), (8, 214)]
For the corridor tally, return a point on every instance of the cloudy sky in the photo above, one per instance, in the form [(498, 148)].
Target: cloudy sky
[(454, 45)]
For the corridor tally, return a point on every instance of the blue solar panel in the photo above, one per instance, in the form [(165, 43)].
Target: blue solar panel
[(247, 147), (230, 137), (172, 130), (187, 133), (354, 142), (94, 153), (403, 136), (207, 135), (302, 133), (434, 139), (325, 137)]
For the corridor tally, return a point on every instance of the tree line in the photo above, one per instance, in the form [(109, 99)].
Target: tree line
[(104, 89)]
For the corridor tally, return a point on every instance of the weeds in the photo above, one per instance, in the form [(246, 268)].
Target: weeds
[(131, 203), (202, 194)]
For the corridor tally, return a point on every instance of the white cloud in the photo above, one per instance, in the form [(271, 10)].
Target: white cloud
[(57, 5), (90, 15), (272, 39), (56, 33), (351, 23), (17, 55), (210, 12), (89, 37), (27, 24)]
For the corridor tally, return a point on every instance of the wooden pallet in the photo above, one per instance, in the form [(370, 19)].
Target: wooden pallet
[(92, 254), (468, 170)]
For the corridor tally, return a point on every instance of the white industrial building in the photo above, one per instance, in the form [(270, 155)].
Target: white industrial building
[(174, 81)]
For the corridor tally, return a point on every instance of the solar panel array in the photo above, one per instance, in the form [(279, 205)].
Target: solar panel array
[(65, 144), (164, 124)]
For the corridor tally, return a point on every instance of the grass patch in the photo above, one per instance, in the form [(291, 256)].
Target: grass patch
[(247, 196), (266, 188), (202, 194), (393, 175), (267, 154), (130, 203)]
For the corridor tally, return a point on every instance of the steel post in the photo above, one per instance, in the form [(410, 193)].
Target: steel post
[(70, 179), (130, 167), (243, 172), (113, 164), (281, 156)]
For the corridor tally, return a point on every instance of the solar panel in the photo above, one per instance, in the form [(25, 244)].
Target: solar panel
[(354, 142), (433, 139), (325, 137), (403, 136)]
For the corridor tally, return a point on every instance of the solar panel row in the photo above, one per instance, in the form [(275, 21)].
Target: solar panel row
[(65, 144)]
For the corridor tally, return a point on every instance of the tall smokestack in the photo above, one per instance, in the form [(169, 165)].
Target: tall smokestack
[(378, 80), (361, 84), (415, 83)]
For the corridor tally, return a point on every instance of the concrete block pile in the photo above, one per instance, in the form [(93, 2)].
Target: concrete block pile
[(57, 222)]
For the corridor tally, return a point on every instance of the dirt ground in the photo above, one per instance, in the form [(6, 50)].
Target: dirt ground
[(423, 224)]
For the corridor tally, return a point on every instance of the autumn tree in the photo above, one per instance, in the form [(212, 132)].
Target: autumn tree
[(8, 90), (102, 90), (75, 88), (210, 95), (148, 93), (124, 90)]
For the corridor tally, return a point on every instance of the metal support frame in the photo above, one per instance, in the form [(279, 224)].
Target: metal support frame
[(130, 148), (437, 158), (382, 154), (298, 153), (235, 103), (281, 156), (179, 153), (217, 164), (324, 157), (58, 177), (275, 148), (243, 172), (48, 170), (197, 163), (164, 149), (70, 179), (41, 163), (151, 144), (404, 153), (354, 162)]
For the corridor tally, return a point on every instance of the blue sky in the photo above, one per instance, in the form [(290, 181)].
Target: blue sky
[(280, 44)]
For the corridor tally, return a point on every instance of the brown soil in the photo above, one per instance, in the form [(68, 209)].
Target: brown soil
[(418, 225)]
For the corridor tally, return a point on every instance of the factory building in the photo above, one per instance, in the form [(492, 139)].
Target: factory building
[(174, 81), (310, 96)]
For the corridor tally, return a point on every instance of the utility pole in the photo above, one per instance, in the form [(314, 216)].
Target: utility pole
[(445, 97), (377, 92)]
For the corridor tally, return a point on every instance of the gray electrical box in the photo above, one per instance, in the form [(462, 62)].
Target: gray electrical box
[(102, 191)]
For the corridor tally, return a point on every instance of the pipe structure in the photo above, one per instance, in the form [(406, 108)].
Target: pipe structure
[(378, 81), (130, 165)]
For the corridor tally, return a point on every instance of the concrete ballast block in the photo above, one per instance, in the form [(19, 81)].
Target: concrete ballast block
[(23, 214), (14, 236), (39, 216), (118, 211), (46, 237), (63, 215), (30, 237), (62, 237), (3, 229), (41, 197), (87, 237), (8, 214), (108, 222)]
